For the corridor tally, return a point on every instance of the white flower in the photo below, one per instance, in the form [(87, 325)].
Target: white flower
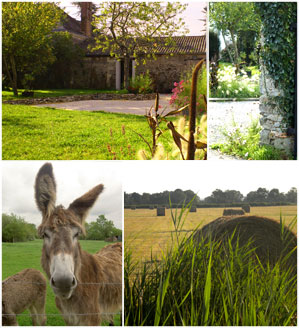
[(227, 92)]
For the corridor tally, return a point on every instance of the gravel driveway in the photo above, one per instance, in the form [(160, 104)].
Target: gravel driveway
[(221, 115), (137, 107)]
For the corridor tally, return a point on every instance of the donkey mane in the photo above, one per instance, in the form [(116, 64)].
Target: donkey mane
[(60, 217)]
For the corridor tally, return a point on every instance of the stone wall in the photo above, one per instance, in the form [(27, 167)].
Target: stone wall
[(166, 70), (97, 96), (274, 129), (96, 73)]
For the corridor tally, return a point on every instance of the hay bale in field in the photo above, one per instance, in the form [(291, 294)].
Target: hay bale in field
[(246, 208), (133, 207), (151, 207), (264, 234), (193, 209), (160, 211), (232, 211)]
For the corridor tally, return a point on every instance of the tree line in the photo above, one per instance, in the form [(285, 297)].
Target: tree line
[(16, 229), (179, 196)]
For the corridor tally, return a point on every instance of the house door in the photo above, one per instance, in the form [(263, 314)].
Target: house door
[(120, 73)]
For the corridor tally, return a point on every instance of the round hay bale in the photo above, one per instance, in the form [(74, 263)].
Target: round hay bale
[(263, 233), (193, 209)]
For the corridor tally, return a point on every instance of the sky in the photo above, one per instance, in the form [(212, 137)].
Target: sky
[(73, 179), (192, 15), (203, 177)]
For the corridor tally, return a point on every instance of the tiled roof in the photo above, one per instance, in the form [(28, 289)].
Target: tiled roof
[(180, 45)]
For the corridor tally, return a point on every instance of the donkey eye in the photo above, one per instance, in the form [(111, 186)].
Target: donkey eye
[(45, 235)]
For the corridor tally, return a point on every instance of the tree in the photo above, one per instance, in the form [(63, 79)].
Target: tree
[(15, 228), (126, 29), (259, 196), (26, 39), (214, 45), (291, 195), (101, 229), (275, 196), (230, 18), (68, 55)]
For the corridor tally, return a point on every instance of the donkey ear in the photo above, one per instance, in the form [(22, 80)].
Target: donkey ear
[(81, 205), (45, 189)]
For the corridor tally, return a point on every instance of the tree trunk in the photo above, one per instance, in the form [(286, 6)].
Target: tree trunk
[(14, 75), (126, 71), (236, 56), (15, 90), (226, 45)]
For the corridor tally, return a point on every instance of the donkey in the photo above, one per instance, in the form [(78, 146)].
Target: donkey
[(87, 286), (271, 241), (24, 290)]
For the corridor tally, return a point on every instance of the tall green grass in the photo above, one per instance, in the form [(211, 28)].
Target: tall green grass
[(204, 284)]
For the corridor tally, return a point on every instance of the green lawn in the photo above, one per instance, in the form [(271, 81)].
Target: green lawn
[(33, 133), (19, 256), (8, 95)]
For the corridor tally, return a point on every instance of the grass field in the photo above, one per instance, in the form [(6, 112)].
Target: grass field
[(146, 233), (19, 256), (8, 95), (32, 133)]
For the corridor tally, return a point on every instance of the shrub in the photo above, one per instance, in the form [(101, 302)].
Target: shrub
[(232, 85), (142, 83), (245, 143), (182, 91)]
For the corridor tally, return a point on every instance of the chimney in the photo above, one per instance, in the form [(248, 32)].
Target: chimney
[(86, 18)]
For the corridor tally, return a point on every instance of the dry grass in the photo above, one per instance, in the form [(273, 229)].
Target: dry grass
[(146, 233)]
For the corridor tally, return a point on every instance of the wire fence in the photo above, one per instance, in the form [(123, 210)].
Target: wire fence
[(79, 283), (8, 280)]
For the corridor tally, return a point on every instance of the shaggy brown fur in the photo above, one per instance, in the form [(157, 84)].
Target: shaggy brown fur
[(232, 211), (266, 236), (24, 290), (98, 292)]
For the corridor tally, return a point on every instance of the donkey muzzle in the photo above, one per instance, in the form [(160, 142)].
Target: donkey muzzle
[(63, 280)]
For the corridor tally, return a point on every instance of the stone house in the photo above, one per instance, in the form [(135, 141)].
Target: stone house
[(101, 71)]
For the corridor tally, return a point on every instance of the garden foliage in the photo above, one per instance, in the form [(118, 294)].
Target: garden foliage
[(142, 83), (233, 85), (245, 143), (182, 90)]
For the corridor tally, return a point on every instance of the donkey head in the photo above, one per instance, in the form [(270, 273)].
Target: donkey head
[(60, 230)]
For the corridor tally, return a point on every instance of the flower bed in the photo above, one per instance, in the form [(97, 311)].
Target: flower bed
[(232, 85)]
